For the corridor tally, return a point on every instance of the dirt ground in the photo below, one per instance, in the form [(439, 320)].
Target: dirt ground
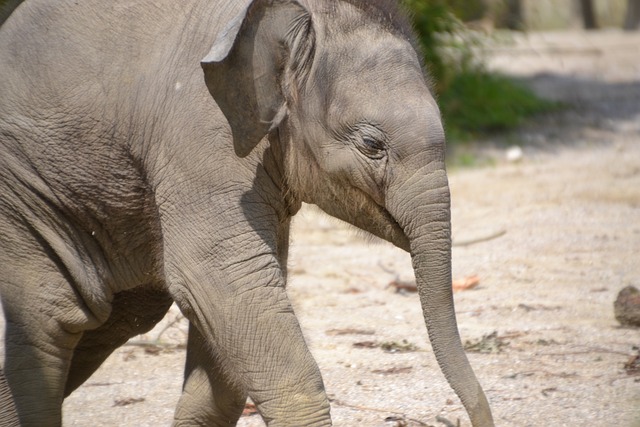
[(563, 218)]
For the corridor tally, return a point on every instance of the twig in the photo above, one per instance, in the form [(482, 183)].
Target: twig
[(364, 408), (537, 371), (101, 384), (156, 341), (178, 318), (386, 270), (469, 242), (589, 350), (154, 344), (383, 411)]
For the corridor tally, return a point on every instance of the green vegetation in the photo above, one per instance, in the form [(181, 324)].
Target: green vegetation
[(473, 101), (480, 102)]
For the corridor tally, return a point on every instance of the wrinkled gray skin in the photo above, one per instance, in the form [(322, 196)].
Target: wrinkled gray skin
[(8, 413), (128, 183)]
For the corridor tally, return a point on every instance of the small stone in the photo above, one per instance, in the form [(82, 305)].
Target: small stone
[(514, 154), (627, 307)]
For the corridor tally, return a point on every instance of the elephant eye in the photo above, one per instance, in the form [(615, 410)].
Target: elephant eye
[(372, 143), (367, 137), (372, 148)]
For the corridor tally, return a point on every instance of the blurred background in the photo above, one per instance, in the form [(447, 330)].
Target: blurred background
[(460, 39)]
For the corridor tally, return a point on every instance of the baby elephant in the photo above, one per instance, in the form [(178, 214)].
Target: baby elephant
[(134, 173)]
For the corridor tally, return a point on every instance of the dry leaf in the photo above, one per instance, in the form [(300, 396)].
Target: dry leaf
[(466, 283), (249, 409), (393, 371), (632, 367), (491, 343), (153, 350), (128, 401), (403, 287), (398, 347), (366, 344), (389, 346)]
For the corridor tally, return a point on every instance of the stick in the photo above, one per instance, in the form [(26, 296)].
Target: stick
[(384, 411), (469, 242)]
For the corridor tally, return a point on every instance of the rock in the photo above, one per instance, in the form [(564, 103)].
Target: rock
[(627, 307)]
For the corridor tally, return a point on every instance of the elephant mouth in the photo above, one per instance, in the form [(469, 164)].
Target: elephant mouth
[(378, 221), (396, 233)]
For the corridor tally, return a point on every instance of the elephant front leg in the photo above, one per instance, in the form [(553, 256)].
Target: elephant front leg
[(209, 397), (251, 331)]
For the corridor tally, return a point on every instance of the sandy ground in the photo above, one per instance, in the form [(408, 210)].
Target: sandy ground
[(570, 212)]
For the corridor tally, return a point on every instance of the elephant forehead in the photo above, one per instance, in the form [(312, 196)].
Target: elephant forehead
[(365, 74), (397, 107), (377, 54)]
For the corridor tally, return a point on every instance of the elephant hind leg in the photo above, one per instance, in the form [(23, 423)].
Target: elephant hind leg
[(134, 311), (37, 357), (44, 320), (208, 397), (8, 412)]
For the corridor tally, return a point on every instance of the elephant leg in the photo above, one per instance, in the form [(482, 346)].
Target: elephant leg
[(45, 315), (258, 344), (224, 272), (38, 353), (209, 397), (8, 412), (134, 311)]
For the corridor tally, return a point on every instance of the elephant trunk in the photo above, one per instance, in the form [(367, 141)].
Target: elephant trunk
[(425, 218)]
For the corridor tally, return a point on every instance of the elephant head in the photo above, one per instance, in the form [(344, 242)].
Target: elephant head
[(339, 89)]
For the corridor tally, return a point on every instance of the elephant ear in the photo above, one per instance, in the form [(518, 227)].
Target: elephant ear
[(244, 68)]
